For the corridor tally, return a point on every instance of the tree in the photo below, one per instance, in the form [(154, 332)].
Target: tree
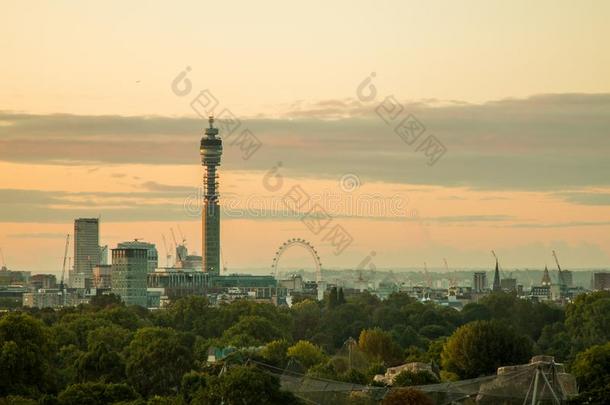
[(340, 297), (333, 299), (306, 353), (555, 341), (106, 300), (306, 315), (406, 396), (102, 364), (407, 378), (380, 346), (592, 368), (276, 352), (588, 319), (24, 354), (243, 385), (157, 360), (480, 347), (96, 394), (253, 330)]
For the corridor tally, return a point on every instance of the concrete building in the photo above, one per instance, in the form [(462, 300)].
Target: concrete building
[(211, 152), (565, 278), (86, 246), (151, 249), (178, 282), (508, 284), (601, 281), (129, 270), (51, 298), (14, 277), (43, 281), (479, 282), (102, 276), (541, 293)]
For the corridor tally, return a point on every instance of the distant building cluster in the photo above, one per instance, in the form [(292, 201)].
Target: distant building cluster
[(135, 275)]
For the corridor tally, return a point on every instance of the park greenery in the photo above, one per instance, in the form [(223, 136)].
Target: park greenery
[(106, 352)]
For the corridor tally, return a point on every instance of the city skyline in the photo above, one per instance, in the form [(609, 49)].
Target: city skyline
[(526, 134)]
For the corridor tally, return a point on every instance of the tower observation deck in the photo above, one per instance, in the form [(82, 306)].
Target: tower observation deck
[(211, 151)]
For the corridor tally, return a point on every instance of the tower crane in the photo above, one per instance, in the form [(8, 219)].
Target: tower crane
[(63, 268), (428, 278), (3, 260), (559, 275), (181, 235), (168, 255), (176, 244), (452, 278), (557, 261)]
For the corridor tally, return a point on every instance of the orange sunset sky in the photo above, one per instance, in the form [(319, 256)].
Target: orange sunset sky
[(91, 124)]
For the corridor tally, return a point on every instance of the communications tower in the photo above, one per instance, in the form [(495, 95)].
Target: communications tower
[(211, 151)]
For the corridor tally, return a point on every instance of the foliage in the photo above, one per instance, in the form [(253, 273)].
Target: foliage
[(275, 352), (253, 330), (592, 368), (406, 396), (157, 360), (555, 341), (306, 353), (106, 300), (380, 346), (96, 394), (480, 347), (407, 378), (24, 353), (162, 354), (243, 385), (588, 319)]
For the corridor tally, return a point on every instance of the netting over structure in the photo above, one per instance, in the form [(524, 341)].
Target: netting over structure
[(540, 382)]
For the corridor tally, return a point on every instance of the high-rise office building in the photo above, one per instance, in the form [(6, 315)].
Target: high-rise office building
[(129, 275), (211, 152), (601, 281), (508, 284), (102, 276), (479, 281), (151, 249), (86, 246)]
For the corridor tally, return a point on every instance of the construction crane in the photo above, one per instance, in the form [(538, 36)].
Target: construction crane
[(181, 235), (168, 255), (428, 278), (179, 256), (497, 261), (559, 275), (452, 278), (63, 267), (557, 261), (3, 261)]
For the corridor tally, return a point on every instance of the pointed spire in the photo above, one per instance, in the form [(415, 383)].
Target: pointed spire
[(546, 278)]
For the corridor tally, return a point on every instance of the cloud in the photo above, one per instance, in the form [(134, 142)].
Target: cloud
[(42, 235), (571, 224), (154, 186), (549, 142), (585, 198)]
